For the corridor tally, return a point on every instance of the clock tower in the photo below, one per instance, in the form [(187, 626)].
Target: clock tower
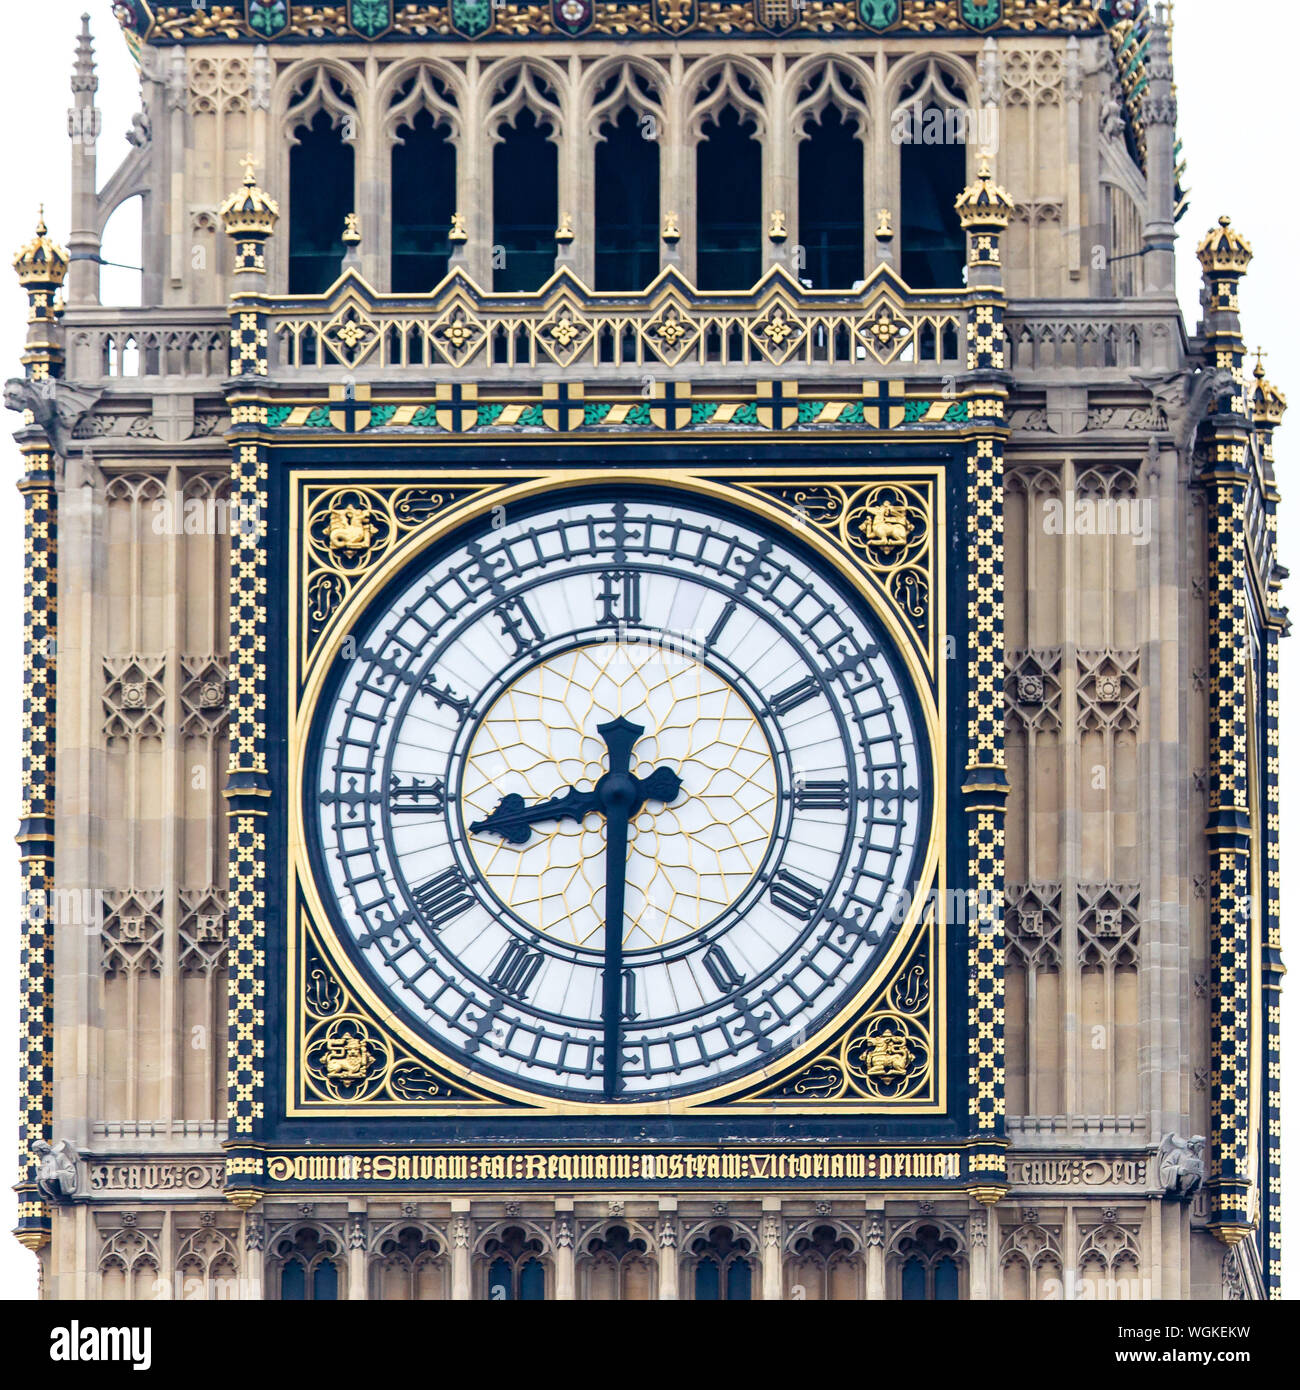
[(651, 667)]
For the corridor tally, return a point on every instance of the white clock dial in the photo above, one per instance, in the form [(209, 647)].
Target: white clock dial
[(617, 800), (687, 860)]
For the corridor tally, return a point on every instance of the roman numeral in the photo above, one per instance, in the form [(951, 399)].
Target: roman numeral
[(629, 995), (723, 619), (443, 898), (352, 798), (416, 796), (515, 970), (721, 971), (445, 696), (620, 596), (796, 695), (518, 624), (791, 894), (822, 796)]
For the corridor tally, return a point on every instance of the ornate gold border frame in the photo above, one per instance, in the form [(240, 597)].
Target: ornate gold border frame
[(487, 490)]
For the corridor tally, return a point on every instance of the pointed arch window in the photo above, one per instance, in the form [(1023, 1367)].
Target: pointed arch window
[(410, 1265), (616, 1266), (728, 203), (424, 198), (515, 1272), (724, 1270), (831, 201), (823, 1265), (931, 126), (309, 1269), (321, 194), (627, 202), (928, 1269), (525, 204)]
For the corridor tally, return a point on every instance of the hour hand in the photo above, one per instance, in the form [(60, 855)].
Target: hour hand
[(514, 821), (663, 784)]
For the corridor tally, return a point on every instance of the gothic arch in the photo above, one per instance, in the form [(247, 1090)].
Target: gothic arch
[(207, 1264), (314, 85), (720, 1261), (1110, 1261), (927, 1260), (617, 1260), (512, 86), (506, 1256), (940, 78), (822, 1260), (308, 1245), (1030, 1264), (632, 77), (129, 1265), (423, 77), (737, 1227), (817, 82), (733, 81), (408, 1261)]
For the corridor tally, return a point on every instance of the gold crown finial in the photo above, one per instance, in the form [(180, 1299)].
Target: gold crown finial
[(1224, 251), (41, 262), (1270, 403), (983, 205), (250, 213)]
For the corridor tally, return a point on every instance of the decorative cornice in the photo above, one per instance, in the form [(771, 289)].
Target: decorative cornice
[(456, 20)]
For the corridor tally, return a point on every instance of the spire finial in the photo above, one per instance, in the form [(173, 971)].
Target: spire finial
[(248, 164), (83, 67)]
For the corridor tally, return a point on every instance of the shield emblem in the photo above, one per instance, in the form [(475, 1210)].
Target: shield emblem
[(571, 16), (267, 18), (370, 18), (471, 17), (981, 14), (879, 14)]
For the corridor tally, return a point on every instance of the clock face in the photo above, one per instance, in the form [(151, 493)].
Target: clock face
[(620, 799)]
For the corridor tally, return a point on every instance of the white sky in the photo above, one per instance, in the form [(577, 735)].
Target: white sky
[(1235, 66)]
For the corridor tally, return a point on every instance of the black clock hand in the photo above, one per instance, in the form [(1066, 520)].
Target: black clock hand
[(619, 795), (513, 821)]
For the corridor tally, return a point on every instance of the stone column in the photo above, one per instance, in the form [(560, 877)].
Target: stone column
[(980, 1282), (474, 178), (460, 1263), (668, 1249), (771, 1236), (1073, 213), (780, 179), (357, 1284), (253, 1272), (564, 1272), (1159, 116), (85, 123), (875, 1257)]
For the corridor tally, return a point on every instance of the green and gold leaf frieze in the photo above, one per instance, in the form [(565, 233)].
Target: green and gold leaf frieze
[(459, 20)]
